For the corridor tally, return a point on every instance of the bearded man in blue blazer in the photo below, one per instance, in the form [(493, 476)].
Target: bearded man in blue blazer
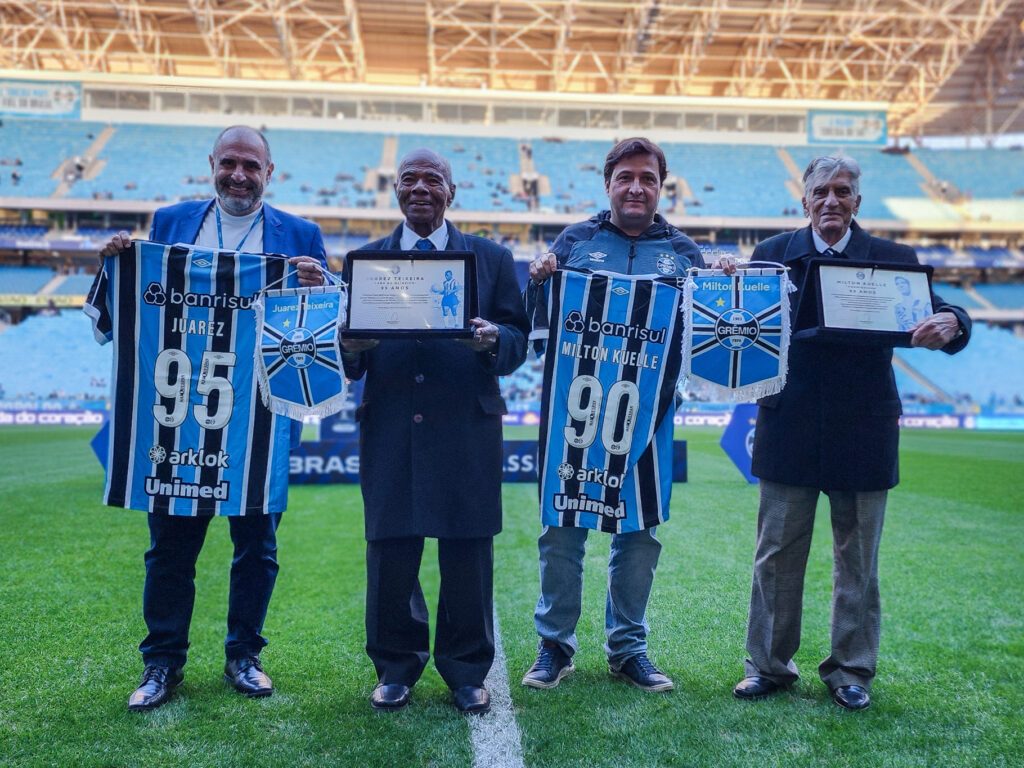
[(834, 429), (236, 219), (430, 459)]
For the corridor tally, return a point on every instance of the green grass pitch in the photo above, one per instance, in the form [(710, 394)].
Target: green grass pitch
[(948, 693)]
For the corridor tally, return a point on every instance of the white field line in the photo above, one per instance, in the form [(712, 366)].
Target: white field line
[(495, 736)]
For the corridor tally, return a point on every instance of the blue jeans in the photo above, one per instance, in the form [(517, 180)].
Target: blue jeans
[(631, 564)]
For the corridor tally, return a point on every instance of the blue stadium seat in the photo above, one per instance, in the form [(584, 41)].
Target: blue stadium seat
[(42, 146), (24, 279), (989, 368), (1003, 296), (45, 355), (979, 173)]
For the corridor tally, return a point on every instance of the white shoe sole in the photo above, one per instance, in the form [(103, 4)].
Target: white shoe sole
[(532, 683)]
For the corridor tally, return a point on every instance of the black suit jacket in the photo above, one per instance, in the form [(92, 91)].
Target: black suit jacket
[(430, 442), (835, 425)]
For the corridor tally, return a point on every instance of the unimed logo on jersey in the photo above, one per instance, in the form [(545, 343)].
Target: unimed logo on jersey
[(157, 296), (737, 329)]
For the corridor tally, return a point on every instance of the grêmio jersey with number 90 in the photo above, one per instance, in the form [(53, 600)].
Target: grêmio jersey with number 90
[(613, 356), (189, 434)]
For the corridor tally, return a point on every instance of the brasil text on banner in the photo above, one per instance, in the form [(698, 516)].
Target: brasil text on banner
[(613, 357), (298, 362), (189, 434), (736, 343)]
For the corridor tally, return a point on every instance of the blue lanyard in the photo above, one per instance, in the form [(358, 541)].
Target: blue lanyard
[(220, 231)]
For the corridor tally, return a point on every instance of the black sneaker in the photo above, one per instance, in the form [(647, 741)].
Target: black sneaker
[(549, 668), (639, 671)]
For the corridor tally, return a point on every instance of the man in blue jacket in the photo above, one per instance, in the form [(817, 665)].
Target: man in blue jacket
[(236, 219), (833, 429), (631, 238)]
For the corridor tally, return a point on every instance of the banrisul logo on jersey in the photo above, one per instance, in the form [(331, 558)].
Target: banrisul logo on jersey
[(156, 295)]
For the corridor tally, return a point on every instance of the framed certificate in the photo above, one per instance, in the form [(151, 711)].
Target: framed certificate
[(861, 302), (410, 294)]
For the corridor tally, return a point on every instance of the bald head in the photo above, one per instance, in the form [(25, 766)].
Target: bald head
[(424, 156), (243, 132)]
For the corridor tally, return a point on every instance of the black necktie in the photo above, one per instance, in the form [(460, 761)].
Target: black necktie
[(423, 244), (832, 253)]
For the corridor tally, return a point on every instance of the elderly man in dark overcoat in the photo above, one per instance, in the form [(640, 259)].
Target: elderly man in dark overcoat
[(833, 429), (431, 459)]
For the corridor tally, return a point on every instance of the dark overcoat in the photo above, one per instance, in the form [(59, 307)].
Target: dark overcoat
[(430, 445), (835, 425)]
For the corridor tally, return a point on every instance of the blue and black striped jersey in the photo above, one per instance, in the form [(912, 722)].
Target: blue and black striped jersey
[(189, 434)]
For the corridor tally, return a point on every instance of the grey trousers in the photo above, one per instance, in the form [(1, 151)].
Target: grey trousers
[(785, 521)]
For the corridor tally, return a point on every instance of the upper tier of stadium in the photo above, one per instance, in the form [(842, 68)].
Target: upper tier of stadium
[(70, 161)]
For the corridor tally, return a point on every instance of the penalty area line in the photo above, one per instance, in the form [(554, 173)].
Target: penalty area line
[(495, 736)]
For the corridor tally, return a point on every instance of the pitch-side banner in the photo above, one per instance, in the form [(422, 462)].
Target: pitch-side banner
[(736, 341), (298, 361)]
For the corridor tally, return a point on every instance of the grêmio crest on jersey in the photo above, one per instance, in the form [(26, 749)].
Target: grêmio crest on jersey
[(189, 434), (298, 360), (613, 357)]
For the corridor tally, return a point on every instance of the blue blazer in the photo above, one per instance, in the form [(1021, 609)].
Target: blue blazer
[(282, 233), (835, 425), (430, 447)]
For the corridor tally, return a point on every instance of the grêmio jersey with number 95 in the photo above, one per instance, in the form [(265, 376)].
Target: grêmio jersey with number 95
[(189, 434), (612, 360)]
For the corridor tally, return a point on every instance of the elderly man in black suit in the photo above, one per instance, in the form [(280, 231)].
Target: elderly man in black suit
[(833, 429), (431, 459)]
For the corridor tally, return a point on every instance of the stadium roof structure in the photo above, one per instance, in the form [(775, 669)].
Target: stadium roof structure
[(943, 67)]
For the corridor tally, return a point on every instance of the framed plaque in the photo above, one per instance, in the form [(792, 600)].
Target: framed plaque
[(410, 294), (863, 302)]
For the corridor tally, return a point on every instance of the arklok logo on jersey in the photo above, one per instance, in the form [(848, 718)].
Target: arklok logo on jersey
[(189, 458)]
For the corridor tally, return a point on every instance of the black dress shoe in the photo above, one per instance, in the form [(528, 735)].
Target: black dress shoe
[(472, 699), (390, 697), (757, 687), (158, 683), (248, 677), (852, 697)]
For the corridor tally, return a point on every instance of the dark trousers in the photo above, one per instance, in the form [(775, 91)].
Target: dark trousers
[(169, 592), (397, 623)]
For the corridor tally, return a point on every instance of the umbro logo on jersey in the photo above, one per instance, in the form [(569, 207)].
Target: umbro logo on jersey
[(204, 263), (157, 296), (618, 290), (598, 256)]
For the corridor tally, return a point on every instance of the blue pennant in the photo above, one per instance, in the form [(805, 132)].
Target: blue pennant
[(737, 339), (298, 359)]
